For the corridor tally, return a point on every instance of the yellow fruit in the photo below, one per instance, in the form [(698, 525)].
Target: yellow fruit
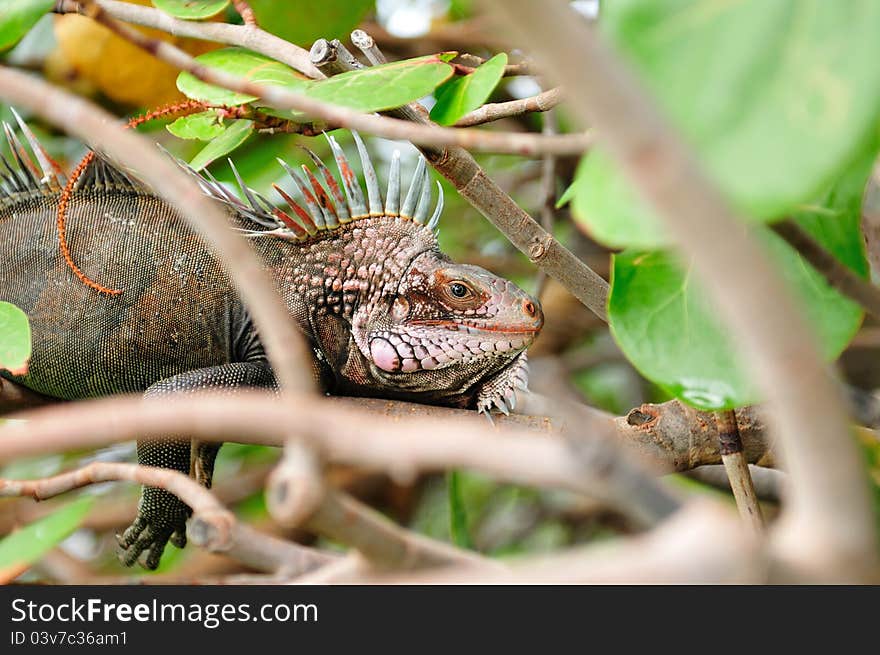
[(120, 70)]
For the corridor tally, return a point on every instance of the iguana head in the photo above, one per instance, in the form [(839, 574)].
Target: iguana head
[(389, 314)]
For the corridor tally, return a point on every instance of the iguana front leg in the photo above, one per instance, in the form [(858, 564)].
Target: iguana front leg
[(161, 515)]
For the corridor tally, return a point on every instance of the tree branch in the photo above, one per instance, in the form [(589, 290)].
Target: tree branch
[(212, 525), (838, 275), (246, 36), (494, 111), (825, 467), (514, 455)]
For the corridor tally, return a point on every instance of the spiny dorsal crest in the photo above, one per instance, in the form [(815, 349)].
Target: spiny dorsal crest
[(25, 175), (322, 205)]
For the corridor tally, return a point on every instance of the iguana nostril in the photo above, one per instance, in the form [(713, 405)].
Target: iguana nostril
[(529, 308)]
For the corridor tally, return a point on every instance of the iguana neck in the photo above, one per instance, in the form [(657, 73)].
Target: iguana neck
[(341, 281)]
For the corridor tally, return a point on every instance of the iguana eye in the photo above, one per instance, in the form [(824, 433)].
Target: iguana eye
[(458, 290)]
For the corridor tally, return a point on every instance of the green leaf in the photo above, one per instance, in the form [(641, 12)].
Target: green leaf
[(19, 16), (191, 9), (204, 126), (461, 95), (609, 211), (241, 62), (15, 339), (383, 87), (27, 545), (304, 21), (667, 329), (458, 519), (773, 122), (232, 137), (368, 90)]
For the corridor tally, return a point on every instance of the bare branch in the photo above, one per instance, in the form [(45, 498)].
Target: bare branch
[(212, 526), (495, 111), (514, 455), (838, 275), (738, 470), (704, 543), (246, 36), (825, 467), (284, 344)]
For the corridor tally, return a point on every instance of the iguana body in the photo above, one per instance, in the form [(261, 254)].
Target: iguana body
[(385, 312)]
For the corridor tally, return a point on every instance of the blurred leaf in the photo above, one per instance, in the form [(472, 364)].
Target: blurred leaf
[(462, 94), (17, 17), (191, 9), (232, 137), (773, 123), (604, 205), (25, 546), (244, 63), (662, 322), (368, 90), (15, 339), (204, 126), (305, 21), (458, 519), (659, 316), (91, 55)]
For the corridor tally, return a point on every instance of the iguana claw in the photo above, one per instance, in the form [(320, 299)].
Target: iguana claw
[(499, 392), (161, 518)]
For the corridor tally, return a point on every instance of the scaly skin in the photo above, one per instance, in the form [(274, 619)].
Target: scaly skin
[(386, 314)]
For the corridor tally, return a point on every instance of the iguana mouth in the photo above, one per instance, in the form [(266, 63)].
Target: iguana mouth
[(470, 328)]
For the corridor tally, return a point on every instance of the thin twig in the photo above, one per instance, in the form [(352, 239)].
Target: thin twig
[(514, 455), (838, 275), (826, 470), (510, 70), (212, 525), (703, 543), (548, 193), (738, 470), (494, 111), (244, 10), (246, 36)]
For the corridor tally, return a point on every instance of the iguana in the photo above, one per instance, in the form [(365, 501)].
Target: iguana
[(385, 312)]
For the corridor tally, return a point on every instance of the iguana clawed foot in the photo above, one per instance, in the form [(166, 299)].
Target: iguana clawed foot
[(499, 392), (161, 518)]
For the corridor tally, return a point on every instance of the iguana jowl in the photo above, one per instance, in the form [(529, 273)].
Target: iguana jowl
[(385, 312)]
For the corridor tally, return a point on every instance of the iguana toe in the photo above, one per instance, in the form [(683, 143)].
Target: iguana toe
[(161, 518)]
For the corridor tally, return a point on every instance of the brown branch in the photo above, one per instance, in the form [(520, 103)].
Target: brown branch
[(246, 36), (510, 70), (495, 111), (15, 397), (514, 455), (737, 468), (769, 483), (679, 438), (703, 543), (825, 467), (212, 525), (284, 344), (837, 274), (871, 218)]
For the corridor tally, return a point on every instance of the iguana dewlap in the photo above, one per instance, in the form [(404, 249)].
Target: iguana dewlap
[(385, 312)]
